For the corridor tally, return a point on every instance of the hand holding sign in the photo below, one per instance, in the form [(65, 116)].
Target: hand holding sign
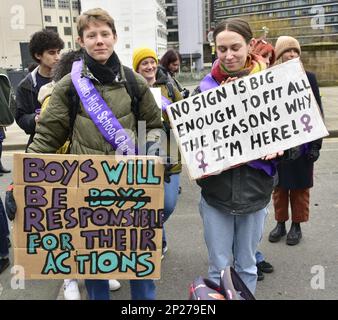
[(86, 216)]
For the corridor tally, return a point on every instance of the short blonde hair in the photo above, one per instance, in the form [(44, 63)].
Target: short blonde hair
[(92, 15)]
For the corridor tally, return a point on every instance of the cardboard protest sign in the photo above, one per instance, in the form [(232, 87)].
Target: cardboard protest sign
[(157, 96), (89, 217), (244, 120)]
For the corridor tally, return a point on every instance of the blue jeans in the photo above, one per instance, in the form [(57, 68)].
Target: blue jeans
[(259, 257), (139, 289), (232, 240), (171, 195), (170, 198), (142, 289), (4, 232), (97, 289)]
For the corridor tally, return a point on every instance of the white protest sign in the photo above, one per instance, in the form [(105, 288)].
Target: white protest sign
[(157, 96), (244, 120)]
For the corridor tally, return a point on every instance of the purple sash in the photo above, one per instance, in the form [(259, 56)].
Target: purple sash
[(269, 167), (102, 116), (165, 103), (208, 83)]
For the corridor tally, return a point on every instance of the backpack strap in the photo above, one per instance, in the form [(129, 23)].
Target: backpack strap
[(171, 91), (74, 106), (133, 91)]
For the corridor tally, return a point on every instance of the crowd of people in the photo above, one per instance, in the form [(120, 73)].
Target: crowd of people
[(233, 204)]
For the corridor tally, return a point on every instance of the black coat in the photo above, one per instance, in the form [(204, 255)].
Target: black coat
[(26, 104), (298, 174)]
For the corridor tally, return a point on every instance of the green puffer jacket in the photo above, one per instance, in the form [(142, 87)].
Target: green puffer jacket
[(53, 127), (172, 147)]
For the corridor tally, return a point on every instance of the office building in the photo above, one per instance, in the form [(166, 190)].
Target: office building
[(137, 25), (310, 21)]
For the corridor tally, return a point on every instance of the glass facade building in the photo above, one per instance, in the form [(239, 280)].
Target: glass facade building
[(310, 21)]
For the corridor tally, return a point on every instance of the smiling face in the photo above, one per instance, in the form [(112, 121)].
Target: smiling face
[(232, 50), (98, 40), (147, 68)]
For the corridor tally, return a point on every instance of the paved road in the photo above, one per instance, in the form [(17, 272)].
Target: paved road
[(187, 256)]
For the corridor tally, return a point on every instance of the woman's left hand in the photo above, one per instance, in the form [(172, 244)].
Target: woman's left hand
[(273, 156)]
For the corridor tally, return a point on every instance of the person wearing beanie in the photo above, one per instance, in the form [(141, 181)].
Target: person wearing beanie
[(145, 63), (295, 177), (286, 44), (140, 54)]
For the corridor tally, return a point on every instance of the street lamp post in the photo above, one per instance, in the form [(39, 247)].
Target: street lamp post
[(211, 44), (265, 31)]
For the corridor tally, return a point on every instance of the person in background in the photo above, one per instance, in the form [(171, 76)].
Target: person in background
[(267, 52), (145, 63), (170, 65), (295, 177), (44, 47)]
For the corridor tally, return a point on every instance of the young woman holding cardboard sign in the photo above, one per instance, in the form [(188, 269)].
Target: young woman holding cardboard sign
[(234, 203), (101, 69)]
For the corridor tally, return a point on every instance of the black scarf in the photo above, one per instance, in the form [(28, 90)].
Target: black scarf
[(105, 73)]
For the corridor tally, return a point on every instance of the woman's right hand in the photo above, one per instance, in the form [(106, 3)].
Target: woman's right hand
[(10, 204)]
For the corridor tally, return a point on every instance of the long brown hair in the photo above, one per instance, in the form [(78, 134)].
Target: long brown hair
[(237, 25), (169, 57)]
